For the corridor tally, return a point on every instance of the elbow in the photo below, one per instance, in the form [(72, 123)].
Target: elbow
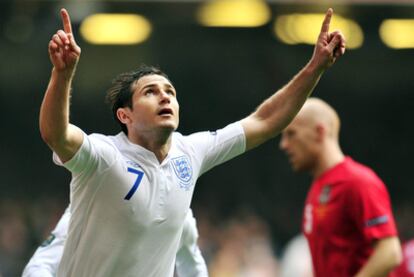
[(46, 135), (52, 139), (47, 140)]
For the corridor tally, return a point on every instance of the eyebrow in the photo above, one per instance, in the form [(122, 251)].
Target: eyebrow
[(154, 85), (165, 85)]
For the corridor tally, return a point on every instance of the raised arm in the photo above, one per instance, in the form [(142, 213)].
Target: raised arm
[(275, 113), (386, 256), (62, 137)]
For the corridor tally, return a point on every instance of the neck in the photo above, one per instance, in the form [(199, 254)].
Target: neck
[(157, 142), (330, 156)]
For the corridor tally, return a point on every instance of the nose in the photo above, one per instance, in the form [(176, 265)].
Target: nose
[(165, 97)]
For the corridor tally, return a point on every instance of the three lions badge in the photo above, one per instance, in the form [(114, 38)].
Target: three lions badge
[(183, 170)]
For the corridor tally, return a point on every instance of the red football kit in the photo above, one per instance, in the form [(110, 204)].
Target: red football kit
[(346, 209)]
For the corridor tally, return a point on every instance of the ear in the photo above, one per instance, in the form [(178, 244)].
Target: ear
[(320, 132), (123, 115)]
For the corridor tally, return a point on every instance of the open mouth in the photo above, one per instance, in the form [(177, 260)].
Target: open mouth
[(165, 111)]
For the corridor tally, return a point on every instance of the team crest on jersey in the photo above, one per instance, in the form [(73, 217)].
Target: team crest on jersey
[(183, 171), (325, 194)]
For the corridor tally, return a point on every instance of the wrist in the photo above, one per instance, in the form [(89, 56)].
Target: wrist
[(62, 75), (314, 67)]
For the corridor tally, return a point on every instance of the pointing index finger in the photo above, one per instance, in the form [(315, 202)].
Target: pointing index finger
[(327, 21), (67, 25)]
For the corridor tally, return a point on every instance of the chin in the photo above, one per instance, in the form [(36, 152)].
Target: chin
[(298, 168), (169, 123), (169, 127)]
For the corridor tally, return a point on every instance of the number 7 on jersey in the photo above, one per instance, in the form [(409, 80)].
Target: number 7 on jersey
[(134, 188)]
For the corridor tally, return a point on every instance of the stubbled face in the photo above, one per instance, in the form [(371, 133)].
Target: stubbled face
[(154, 105), (299, 142)]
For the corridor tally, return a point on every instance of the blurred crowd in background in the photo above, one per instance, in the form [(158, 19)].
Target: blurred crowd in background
[(240, 245)]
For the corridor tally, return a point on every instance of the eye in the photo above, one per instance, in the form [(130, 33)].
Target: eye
[(149, 92), (289, 133), (170, 92)]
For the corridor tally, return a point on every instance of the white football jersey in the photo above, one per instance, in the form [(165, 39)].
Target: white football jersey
[(46, 259), (128, 210)]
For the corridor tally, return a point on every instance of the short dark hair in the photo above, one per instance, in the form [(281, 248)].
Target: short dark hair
[(120, 94)]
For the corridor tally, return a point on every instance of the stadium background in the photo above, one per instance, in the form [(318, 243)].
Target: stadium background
[(221, 75)]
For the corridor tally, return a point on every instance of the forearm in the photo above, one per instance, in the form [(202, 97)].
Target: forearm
[(54, 111), (62, 137), (281, 108), (386, 256), (274, 114)]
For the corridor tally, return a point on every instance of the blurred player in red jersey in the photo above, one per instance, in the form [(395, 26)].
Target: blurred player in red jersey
[(347, 218)]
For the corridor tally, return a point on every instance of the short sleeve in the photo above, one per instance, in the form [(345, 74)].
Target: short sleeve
[(370, 207), (97, 152), (216, 147)]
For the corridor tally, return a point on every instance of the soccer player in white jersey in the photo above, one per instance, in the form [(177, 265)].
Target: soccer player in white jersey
[(130, 192), (45, 261)]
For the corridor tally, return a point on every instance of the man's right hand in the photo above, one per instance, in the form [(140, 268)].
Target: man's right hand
[(64, 53)]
